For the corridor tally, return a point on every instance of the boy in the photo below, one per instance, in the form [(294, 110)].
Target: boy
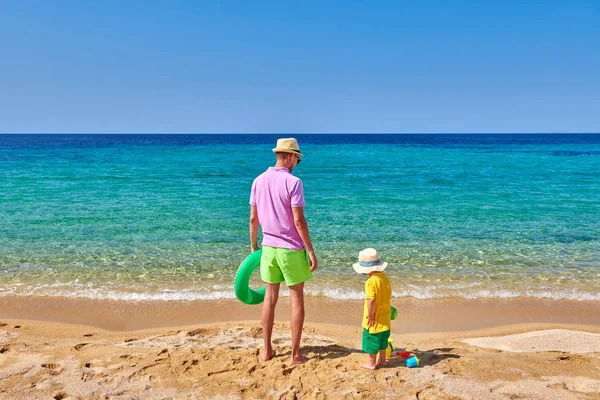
[(377, 310)]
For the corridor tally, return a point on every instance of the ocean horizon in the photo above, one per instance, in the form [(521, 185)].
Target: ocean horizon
[(165, 217)]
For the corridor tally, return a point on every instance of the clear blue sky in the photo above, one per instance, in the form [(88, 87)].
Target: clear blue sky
[(304, 66)]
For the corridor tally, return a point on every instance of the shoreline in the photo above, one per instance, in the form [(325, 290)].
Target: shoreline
[(415, 315)]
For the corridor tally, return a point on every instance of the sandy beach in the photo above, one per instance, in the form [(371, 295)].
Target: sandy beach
[(58, 348)]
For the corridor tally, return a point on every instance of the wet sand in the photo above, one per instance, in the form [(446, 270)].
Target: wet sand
[(437, 315)]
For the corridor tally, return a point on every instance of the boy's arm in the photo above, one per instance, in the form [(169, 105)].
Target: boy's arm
[(371, 312)]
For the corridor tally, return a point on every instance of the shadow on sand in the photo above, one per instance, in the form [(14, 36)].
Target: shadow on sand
[(427, 357)]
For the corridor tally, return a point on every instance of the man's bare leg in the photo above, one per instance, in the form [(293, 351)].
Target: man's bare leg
[(297, 301), (268, 317)]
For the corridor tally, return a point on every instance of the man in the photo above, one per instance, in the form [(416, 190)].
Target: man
[(277, 203)]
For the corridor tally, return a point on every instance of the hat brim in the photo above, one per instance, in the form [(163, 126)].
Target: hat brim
[(367, 270), (280, 150)]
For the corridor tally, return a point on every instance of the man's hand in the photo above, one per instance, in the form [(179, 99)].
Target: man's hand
[(254, 247), (314, 263)]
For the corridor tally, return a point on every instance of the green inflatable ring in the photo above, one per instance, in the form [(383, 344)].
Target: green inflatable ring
[(242, 280)]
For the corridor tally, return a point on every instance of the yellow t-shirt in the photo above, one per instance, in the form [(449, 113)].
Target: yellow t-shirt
[(378, 287)]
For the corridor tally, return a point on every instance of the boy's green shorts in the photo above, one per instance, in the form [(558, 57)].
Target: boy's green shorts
[(278, 265), (373, 342)]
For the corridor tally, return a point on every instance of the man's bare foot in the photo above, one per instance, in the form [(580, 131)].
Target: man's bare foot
[(369, 366), (267, 358), (382, 363), (301, 359)]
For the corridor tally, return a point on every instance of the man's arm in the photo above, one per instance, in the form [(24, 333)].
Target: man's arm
[(302, 227), (253, 228)]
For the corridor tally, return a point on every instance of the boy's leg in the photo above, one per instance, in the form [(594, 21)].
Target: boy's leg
[(371, 363), (383, 345), (382, 358), (268, 317), (370, 345)]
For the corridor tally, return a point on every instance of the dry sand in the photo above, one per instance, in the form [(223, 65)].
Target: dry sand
[(563, 340), (220, 360)]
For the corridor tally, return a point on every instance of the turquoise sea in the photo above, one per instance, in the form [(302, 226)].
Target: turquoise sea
[(165, 217)]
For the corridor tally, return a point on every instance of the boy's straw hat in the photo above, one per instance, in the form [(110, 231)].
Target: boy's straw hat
[(287, 145), (369, 261)]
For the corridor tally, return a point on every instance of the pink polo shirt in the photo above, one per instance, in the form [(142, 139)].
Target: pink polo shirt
[(274, 193)]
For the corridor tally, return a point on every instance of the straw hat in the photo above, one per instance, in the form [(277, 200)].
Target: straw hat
[(369, 261), (287, 145)]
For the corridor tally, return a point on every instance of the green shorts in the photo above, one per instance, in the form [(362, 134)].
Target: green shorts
[(373, 342), (278, 265)]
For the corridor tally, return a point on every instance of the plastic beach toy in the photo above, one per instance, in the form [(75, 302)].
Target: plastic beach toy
[(390, 348), (403, 354), (242, 280), (412, 362), (394, 314)]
